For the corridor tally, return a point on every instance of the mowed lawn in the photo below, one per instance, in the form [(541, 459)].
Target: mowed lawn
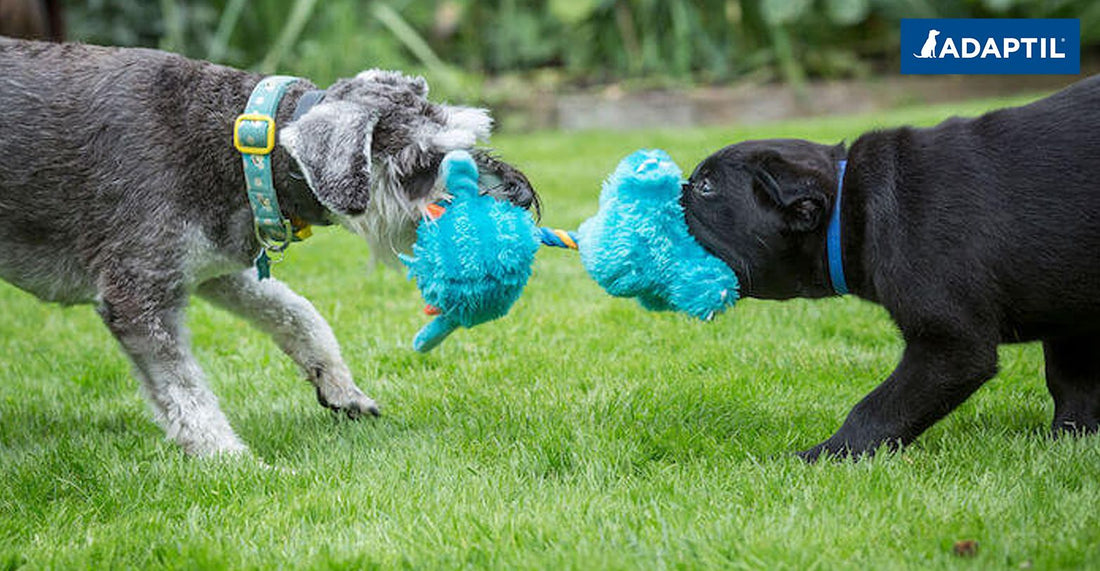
[(578, 432)]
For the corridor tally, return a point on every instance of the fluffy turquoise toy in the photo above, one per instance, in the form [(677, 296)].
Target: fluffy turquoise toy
[(638, 245), (473, 259)]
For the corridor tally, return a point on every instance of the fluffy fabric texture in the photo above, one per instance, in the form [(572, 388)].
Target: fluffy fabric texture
[(473, 261), (638, 244)]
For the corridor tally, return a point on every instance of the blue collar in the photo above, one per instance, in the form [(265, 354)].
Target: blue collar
[(254, 134), (832, 237)]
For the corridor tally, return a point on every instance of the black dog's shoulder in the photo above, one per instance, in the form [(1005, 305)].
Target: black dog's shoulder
[(1000, 210)]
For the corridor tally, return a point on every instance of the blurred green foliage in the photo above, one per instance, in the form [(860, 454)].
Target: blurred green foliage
[(458, 42)]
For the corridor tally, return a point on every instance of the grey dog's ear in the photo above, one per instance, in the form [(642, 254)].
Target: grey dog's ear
[(332, 146)]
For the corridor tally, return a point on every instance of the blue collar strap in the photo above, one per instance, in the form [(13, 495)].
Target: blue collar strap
[(254, 136), (832, 238)]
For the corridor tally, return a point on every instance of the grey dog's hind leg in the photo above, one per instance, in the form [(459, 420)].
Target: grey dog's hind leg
[(299, 330), (149, 326)]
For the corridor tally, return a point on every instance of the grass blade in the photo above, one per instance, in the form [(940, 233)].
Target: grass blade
[(288, 36), (413, 42), (226, 24)]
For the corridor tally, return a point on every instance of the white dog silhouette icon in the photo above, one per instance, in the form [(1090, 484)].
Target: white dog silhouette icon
[(929, 48)]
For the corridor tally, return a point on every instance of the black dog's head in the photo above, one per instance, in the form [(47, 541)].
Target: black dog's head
[(762, 207), (371, 153)]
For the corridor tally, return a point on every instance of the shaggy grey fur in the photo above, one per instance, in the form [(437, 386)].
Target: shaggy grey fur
[(120, 186)]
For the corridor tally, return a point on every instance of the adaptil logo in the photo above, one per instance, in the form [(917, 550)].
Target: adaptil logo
[(993, 46)]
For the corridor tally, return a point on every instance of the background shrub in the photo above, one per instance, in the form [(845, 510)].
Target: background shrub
[(459, 43)]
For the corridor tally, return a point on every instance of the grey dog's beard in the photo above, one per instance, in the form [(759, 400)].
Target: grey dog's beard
[(389, 223)]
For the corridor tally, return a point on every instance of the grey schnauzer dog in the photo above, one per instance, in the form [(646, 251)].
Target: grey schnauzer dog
[(120, 186)]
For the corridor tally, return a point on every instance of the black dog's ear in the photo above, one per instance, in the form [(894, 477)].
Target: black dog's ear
[(332, 146), (797, 185)]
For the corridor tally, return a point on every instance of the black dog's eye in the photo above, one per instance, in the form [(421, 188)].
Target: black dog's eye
[(703, 188)]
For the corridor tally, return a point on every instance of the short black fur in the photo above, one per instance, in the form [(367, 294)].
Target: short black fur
[(971, 233)]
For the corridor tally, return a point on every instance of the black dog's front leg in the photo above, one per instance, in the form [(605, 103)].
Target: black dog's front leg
[(936, 374)]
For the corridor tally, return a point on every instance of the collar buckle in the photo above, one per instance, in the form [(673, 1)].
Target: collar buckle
[(252, 129), (254, 136)]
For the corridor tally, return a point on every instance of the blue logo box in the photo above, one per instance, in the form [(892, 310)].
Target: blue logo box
[(990, 46)]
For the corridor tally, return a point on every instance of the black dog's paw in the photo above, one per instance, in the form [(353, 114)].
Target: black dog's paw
[(824, 451), (1074, 425), (837, 449), (811, 455)]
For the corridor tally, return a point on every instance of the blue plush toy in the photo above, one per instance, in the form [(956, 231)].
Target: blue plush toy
[(638, 245), (472, 260)]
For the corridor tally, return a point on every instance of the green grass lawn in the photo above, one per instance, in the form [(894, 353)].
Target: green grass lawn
[(578, 432)]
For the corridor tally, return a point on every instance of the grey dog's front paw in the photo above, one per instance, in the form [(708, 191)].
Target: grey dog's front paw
[(352, 403), (336, 391)]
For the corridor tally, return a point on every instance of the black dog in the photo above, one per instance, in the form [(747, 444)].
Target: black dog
[(971, 233)]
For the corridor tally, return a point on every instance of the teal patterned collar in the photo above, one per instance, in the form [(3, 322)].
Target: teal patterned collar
[(254, 134)]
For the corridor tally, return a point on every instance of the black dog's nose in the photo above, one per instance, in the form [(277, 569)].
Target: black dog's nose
[(685, 193)]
